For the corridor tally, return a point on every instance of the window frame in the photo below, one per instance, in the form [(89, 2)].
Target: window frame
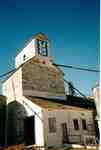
[(52, 124), (76, 124), (42, 50)]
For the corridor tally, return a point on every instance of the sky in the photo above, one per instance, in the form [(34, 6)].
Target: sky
[(71, 25)]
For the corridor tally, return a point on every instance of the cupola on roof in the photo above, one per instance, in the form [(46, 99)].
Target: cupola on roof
[(38, 46)]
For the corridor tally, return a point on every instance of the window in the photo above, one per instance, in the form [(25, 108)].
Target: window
[(76, 125), (84, 127), (52, 124), (42, 47), (24, 57)]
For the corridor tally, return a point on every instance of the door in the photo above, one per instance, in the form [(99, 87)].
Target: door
[(29, 130), (64, 133)]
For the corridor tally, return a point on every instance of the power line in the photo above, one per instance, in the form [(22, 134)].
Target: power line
[(61, 65), (13, 70), (7, 73), (77, 68)]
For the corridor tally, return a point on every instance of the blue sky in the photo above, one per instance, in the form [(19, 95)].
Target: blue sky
[(71, 25)]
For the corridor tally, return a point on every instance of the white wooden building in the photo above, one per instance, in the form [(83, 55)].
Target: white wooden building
[(37, 112)]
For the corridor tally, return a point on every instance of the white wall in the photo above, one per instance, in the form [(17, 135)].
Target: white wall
[(12, 87), (97, 94), (62, 116), (29, 51), (33, 109)]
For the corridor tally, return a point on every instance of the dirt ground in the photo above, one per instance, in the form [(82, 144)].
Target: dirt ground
[(22, 147)]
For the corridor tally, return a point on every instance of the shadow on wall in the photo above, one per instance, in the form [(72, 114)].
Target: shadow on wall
[(15, 123)]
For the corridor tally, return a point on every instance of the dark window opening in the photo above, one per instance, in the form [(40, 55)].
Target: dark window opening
[(84, 126), (24, 57), (29, 130), (64, 133), (76, 125)]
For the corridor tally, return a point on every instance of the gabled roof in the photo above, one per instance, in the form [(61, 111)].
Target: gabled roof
[(40, 36)]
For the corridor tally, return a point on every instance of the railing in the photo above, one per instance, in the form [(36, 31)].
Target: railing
[(72, 138)]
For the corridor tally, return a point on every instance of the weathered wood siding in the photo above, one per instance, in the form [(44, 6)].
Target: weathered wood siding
[(42, 79)]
